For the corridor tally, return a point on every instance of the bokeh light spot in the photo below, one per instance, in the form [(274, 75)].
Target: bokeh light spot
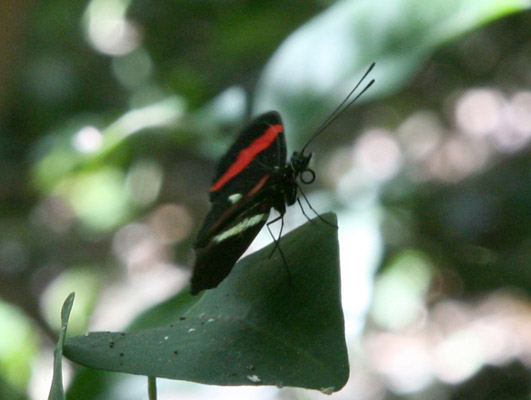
[(377, 153), (107, 28), (171, 223), (87, 140), (478, 111), (143, 182)]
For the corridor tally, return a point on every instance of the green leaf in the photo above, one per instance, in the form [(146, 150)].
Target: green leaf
[(261, 326), (56, 390)]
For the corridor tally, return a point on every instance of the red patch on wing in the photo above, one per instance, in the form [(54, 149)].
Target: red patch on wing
[(258, 186), (247, 155)]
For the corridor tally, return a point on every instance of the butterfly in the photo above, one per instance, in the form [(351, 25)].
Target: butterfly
[(252, 178)]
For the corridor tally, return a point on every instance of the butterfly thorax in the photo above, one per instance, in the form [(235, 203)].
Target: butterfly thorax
[(284, 181), (299, 162)]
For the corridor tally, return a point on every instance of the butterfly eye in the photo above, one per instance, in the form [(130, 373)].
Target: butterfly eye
[(307, 176)]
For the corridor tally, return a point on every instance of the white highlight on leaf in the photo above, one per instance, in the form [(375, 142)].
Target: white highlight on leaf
[(253, 378), (242, 226), (191, 330), (327, 390)]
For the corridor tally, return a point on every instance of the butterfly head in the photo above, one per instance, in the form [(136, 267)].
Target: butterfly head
[(299, 162)]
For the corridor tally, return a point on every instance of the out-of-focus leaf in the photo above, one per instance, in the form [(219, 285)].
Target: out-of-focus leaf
[(324, 58), (257, 328), (57, 391), (87, 147)]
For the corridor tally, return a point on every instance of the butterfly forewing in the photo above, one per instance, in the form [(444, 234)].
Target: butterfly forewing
[(258, 150), (241, 199)]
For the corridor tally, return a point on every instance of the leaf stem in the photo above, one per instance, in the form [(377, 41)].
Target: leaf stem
[(152, 388)]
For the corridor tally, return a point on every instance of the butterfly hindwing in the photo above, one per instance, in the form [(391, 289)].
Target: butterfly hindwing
[(240, 197), (215, 260)]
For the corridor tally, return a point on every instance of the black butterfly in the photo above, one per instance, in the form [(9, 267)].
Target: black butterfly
[(252, 177)]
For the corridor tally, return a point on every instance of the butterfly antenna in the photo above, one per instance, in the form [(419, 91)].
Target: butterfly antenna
[(341, 107)]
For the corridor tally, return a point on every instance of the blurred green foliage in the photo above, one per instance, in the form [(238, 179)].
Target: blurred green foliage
[(112, 114)]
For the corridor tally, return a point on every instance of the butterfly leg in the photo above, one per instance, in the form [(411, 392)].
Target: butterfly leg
[(277, 246), (277, 243), (304, 212), (311, 208)]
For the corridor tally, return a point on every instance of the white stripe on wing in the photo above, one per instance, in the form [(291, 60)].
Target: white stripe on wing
[(240, 227)]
